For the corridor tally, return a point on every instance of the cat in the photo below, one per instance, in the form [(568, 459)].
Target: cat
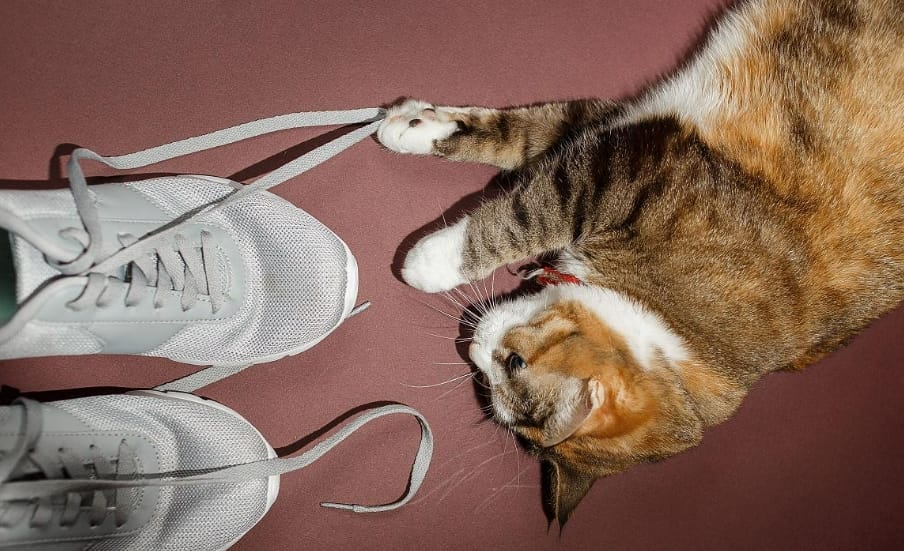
[(743, 216)]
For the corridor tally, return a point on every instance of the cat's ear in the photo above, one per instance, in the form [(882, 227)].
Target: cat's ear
[(579, 410), (565, 487)]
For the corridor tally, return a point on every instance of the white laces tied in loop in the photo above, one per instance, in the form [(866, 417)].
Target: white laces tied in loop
[(290, 170), (195, 271), (38, 490), (91, 259), (87, 211)]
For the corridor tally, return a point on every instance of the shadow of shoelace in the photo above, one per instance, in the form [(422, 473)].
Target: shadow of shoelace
[(307, 440), (280, 158), (57, 179)]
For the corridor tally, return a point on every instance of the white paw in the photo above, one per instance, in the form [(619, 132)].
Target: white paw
[(434, 264), (413, 126)]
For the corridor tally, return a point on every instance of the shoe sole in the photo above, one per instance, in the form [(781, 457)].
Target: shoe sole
[(272, 483)]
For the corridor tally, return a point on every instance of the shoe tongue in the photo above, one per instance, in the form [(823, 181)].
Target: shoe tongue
[(7, 279), (31, 268)]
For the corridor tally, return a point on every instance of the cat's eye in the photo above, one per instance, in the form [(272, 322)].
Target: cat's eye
[(515, 362)]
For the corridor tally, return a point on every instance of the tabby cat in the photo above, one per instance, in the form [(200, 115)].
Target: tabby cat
[(744, 216)]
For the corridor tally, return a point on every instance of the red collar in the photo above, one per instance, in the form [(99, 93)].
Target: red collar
[(546, 275)]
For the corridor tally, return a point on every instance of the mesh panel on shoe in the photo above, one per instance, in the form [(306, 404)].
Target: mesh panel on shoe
[(187, 436), (52, 339), (203, 517), (190, 436), (39, 203), (295, 277)]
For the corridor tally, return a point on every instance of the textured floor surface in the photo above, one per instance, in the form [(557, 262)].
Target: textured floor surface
[(811, 461)]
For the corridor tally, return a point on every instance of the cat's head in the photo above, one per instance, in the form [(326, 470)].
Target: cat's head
[(587, 379)]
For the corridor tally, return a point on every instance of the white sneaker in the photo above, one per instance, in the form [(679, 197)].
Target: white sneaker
[(147, 471), (182, 267)]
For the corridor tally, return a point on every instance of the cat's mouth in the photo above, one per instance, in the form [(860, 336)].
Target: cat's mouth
[(545, 412)]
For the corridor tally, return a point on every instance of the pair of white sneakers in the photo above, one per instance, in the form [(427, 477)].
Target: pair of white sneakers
[(197, 269)]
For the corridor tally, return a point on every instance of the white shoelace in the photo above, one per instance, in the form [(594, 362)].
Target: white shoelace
[(185, 272), (190, 276), (23, 496), (149, 260)]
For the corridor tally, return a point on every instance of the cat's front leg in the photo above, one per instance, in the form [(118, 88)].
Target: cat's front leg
[(507, 138), (435, 263), (506, 229), (414, 126)]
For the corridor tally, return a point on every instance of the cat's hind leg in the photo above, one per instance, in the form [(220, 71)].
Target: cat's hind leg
[(507, 138)]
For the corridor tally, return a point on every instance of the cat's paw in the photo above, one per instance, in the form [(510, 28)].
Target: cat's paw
[(434, 264), (413, 126)]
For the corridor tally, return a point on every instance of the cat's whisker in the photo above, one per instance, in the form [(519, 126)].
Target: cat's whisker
[(508, 485), (452, 380), (443, 312), (452, 481), (466, 452), (456, 339), (517, 455), (479, 300), (488, 297), (487, 415), (476, 298), (442, 327), (493, 286), (465, 299), (464, 296), (452, 484), (451, 477), (439, 486), (451, 298), (474, 472), (473, 304), (472, 317), (466, 319), (453, 389)]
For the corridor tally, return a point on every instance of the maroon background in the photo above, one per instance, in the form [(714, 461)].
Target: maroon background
[(811, 461)]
